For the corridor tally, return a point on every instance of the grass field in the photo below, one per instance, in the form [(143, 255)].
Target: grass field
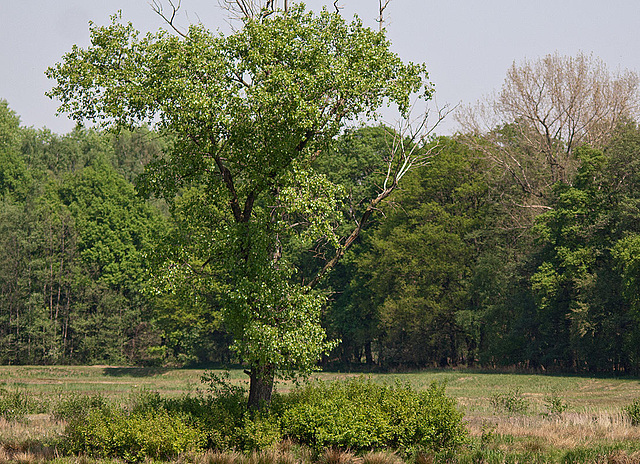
[(555, 415)]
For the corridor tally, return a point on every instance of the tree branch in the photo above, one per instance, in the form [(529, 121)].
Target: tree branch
[(407, 152), (351, 238), (227, 178), (383, 6), (156, 5)]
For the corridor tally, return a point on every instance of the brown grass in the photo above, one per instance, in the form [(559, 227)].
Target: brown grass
[(335, 456), (381, 458), (566, 431), (33, 440)]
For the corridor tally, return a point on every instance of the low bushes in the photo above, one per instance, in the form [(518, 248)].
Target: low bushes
[(512, 402), (134, 436), (360, 415), (356, 415), (75, 406), (633, 412), (16, 404)]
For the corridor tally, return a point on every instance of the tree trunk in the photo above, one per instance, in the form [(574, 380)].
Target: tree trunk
[(261, 386), (368, 354)]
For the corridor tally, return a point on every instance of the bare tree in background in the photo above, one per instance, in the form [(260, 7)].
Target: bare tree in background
[(550, 106)]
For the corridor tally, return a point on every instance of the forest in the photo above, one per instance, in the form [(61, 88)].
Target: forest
[(509, 248)]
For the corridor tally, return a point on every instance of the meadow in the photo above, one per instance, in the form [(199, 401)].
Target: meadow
[(511, 417)]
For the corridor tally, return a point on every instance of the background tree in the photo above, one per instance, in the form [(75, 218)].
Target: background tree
[(246, 114), (407, 288), (550, 106), (74, 234), (355, 163)]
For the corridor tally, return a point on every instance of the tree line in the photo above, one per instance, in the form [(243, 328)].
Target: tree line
[(518, 244), (74, 238), (445, 277)]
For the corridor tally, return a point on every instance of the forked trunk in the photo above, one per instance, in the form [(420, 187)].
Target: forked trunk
[(261, 386)]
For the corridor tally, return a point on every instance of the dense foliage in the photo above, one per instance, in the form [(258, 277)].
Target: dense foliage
[(360, 415), (356, 415), (457, 275), (449, 277), (75, 237)]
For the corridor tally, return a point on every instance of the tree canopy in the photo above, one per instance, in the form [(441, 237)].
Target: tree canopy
[(245, 115)]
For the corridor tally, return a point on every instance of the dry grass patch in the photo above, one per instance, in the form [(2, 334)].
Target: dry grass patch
[(215, 457), (33, 440), (336, 456), (565, 431), (381, 457)]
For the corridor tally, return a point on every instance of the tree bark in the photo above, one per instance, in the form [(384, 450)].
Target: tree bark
[(368, 354), (261, 386)]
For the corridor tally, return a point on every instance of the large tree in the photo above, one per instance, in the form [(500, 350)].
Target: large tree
[(245, 115)]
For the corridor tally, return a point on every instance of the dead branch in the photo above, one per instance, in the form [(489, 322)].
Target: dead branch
[(382, 6), (410, 147), (251, 9), (156, 5)]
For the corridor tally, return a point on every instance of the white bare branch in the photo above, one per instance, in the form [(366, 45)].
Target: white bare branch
[(383, 4), (410, 147)]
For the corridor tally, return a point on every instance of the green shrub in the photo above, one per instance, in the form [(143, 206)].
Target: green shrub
[(145, 400), (360, 415), (76, 405), (259, 431), (554, 404), (222, 413), (633, 412), (132, 437), (512, 402), (357, 415), (16, 404)]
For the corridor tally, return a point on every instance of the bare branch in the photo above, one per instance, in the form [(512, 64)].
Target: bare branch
[(409, 148), (382, 6), (251, 9), (545, 109), (156, 5), (534, 206)]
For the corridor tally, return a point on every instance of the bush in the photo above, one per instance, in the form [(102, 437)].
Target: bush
[(555, 405), (359, 415), (16, 404), (633, 412), (133, 437), (259, 431), (76, 405), (511, 402)]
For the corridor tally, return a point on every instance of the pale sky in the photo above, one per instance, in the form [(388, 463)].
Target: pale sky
[(467, 45)]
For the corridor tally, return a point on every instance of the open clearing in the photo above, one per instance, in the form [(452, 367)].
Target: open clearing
[(472, 389), (592, 417)]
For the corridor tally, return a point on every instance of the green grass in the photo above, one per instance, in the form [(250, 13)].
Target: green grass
[(472, 389)]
